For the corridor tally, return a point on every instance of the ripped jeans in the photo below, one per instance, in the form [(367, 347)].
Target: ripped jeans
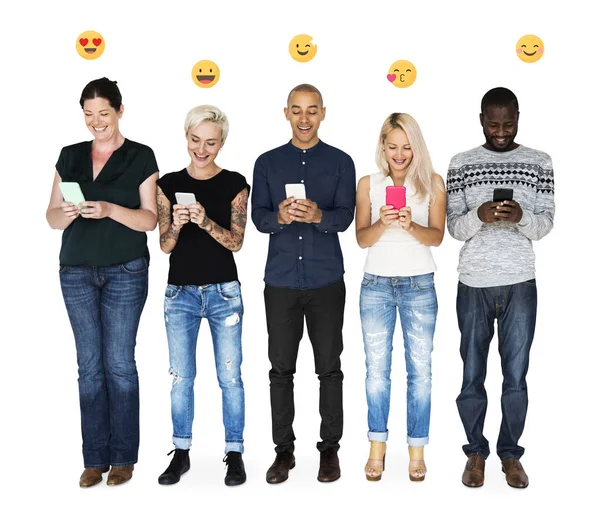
[(416, 301), (185, 306)]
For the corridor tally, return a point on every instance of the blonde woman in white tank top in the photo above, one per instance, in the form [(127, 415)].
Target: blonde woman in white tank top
[(399, 275)]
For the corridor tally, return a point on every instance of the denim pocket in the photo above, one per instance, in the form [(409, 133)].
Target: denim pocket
[(230, 290), (62, 269), (172, 291), (136, 266), (530, 282), (424, 282), (368, 280)]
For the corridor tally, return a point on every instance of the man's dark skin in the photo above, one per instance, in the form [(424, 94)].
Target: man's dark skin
[(500, 124)]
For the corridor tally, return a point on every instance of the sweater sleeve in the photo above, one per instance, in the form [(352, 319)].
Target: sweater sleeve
[(537, 224), (462, 222)]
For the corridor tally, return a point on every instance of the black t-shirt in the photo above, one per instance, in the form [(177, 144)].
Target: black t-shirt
[(197, 258), (104, 241)]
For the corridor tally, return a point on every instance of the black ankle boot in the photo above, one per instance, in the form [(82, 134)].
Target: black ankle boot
[(236, 474), (179, 465)]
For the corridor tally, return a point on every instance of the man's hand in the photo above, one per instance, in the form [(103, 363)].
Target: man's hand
[(283, 215), (493, 211), (305, 211)]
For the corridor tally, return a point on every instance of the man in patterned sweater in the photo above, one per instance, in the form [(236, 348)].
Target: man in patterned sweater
[(497, 275)]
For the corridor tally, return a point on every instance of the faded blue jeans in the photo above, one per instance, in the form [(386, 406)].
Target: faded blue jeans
[(415, 299), (185, 306), (104, 306)]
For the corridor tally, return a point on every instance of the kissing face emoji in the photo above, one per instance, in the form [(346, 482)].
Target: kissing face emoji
[(90, 45), (402, 74), (205, 73), (302, 48), (530, 48)]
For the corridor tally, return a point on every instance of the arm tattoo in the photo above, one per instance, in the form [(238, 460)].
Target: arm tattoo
[(233, 239), (164, 208), (170, 234)]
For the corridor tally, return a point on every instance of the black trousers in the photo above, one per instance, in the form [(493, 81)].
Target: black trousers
[(324, 311)]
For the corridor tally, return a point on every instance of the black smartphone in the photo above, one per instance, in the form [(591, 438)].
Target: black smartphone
[(501, 194)]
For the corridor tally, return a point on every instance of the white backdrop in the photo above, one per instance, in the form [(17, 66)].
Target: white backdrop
[(460, 49)]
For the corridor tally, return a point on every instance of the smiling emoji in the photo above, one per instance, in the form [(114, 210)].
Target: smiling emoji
[(530, 48), (402, 74), (90, 45), (302, 48), (205, 73)]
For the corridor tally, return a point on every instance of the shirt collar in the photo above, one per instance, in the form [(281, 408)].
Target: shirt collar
[(304, 150)]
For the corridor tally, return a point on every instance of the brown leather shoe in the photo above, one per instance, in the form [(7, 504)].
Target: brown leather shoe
[(119, 475), (473, 475), (515, 475), (329, 469), (91, 477), (279, 470)]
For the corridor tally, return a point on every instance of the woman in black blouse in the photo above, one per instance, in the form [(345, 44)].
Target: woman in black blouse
[(104, 276)]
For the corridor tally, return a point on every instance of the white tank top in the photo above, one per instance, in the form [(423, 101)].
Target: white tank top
[(398, 253)]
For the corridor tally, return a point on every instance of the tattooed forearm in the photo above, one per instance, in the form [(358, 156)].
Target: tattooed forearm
[(233, 239), (170, 234)]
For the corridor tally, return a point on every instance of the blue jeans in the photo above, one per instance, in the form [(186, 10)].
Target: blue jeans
[(104, 306), (514, 306), (185, 306), (416, 301)]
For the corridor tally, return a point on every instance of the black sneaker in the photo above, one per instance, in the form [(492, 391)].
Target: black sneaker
[(179, 465), (236, 474)]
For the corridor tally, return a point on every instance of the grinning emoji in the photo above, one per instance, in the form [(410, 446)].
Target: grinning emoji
[(90, 45), (530, 48), (402, 74), (302, 48), (205, 73)]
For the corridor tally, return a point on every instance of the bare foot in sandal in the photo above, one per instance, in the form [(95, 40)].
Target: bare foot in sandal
[(416, 465), (376, 463)]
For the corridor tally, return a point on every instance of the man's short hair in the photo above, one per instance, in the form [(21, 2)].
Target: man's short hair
[(499, 96), (305, 87)]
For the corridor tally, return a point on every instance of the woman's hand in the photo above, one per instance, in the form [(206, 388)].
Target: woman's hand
[(181, 216), (387, 215), (70, 210), (405, 218), (198, 215), (95, 209)]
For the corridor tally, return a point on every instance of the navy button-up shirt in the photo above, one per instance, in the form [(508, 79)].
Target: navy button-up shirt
[(304, 255)]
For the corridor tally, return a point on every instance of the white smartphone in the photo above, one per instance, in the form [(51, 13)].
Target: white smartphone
[(296, 190), (71, 192), (186, 199)]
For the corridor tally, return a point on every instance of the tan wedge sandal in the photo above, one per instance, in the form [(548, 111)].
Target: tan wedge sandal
[(416, 465), (376, 463)]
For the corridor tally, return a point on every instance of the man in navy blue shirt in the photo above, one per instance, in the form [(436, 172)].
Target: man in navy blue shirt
[(304, 272)]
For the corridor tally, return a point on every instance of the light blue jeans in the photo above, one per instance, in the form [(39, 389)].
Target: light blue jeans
[(185, 306), (416, 301)]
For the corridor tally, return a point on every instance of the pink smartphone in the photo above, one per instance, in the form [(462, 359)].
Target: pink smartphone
[(395, 196)]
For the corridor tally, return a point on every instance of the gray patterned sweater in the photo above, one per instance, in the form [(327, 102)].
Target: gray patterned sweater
[(501, 253)]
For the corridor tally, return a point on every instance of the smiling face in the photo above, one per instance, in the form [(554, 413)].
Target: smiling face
[(530, 48), (302, 48), (203, 143), (500, 124), (305, 113), (101, 118), (402, 74), (205, 73), (397, 150), (89, 45)]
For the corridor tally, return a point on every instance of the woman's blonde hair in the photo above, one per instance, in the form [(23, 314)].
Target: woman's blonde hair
[(207, 113), (420, 170)]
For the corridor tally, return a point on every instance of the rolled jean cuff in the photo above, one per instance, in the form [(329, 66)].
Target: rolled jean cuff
[(234, 447), (182, 442), (417, 442), (377, 436)]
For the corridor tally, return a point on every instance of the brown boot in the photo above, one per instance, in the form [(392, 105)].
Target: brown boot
[(119, 475), (515, 475), (473, 475), (91, 477)]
